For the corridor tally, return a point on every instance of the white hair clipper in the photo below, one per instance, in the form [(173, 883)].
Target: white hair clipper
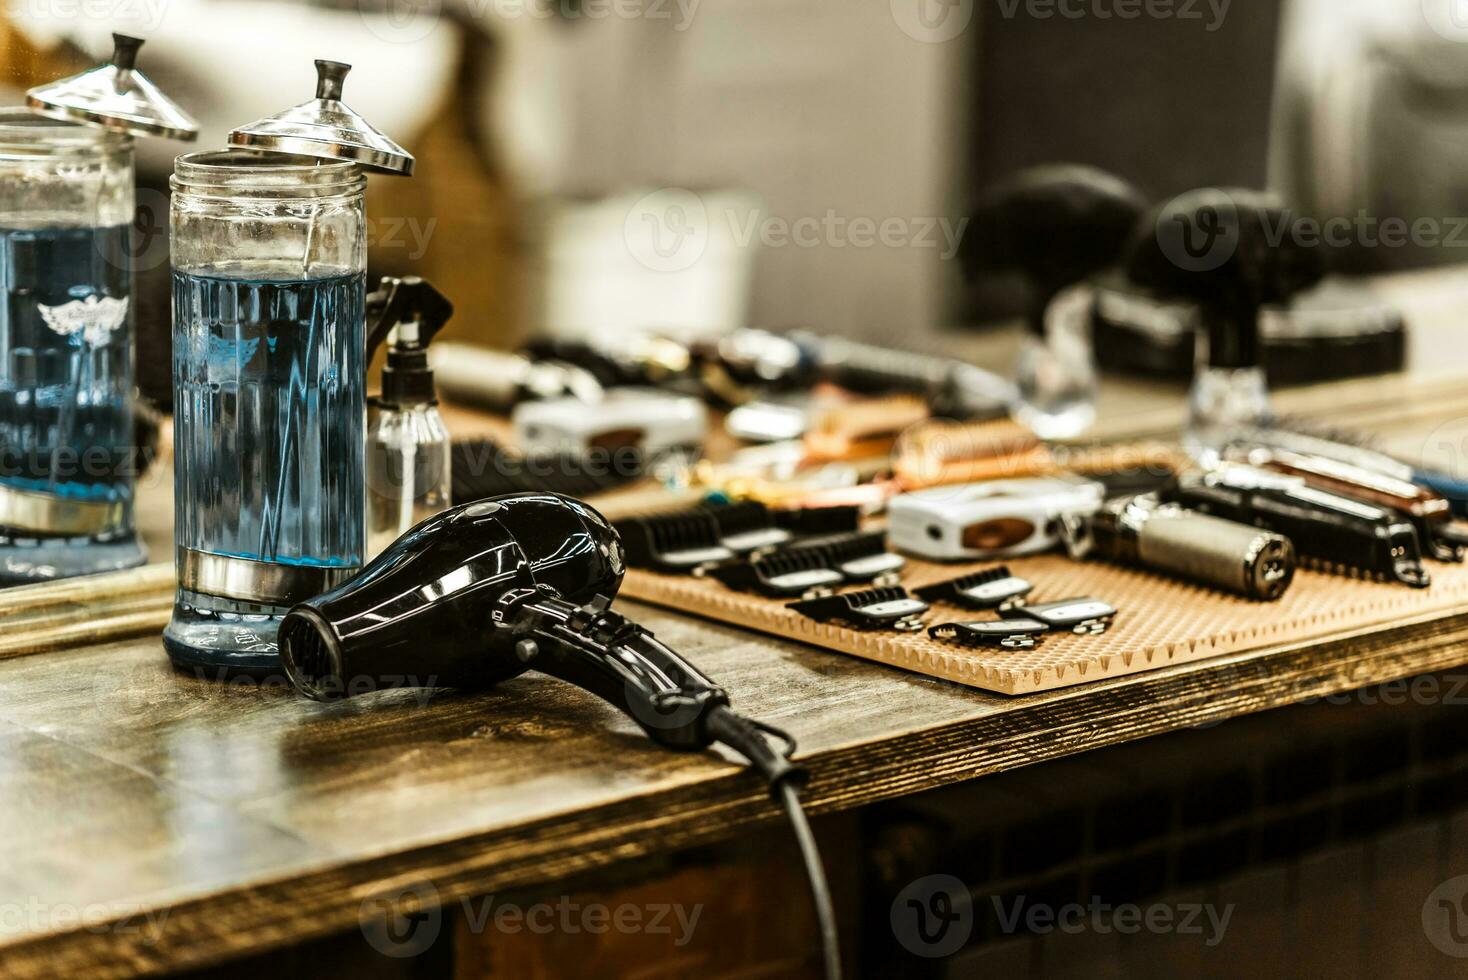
[(995, 519)]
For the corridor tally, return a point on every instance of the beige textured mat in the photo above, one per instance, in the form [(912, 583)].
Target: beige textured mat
[(1161, 621)]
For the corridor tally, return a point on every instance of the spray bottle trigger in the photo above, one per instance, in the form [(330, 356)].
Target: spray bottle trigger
[(409, 299)]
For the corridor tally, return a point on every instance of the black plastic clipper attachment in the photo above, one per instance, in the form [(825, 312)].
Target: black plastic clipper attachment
[(748, 525), (994, 588), (678, 543), (807, 568), (875, 609), (780, 576), (1005, 634), (691, 540), (1087, 616)]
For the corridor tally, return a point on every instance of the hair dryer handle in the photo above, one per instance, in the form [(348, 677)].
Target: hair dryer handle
[(620, 662)]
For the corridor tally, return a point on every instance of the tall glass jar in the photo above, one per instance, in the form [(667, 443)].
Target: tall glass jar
[(269, 274), (67, 460)]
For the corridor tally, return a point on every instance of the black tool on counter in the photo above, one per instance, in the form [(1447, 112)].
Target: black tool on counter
[(952, 387), (1008, 634), (489, 590), (1340, 329), (1230, 252), (679, 543), (746, 361), (1303, 436), (749, 525), (1056, 224), (1334, 532), (994, 588), (690, 540), (498, 380), (1430, 512), (612, 367), (822, 564), (1227, 555), (890, 608), (1087, 616)]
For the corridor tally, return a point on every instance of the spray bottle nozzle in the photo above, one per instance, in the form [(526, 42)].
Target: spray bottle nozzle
[(406, 313)]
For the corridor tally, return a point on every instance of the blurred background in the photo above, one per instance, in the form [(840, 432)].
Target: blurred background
[(595, 167)]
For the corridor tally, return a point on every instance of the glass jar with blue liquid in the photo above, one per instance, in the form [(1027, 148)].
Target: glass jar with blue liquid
[(66, 374), (269, 245), (269, 346), (67, 454)]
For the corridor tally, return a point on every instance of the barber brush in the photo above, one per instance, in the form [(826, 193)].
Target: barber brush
[(1057, 226), (1231, 252)]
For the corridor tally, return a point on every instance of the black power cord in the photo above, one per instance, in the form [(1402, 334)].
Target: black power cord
[(785, 780)]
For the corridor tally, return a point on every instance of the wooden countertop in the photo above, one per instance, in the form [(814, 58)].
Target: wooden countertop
[(152, 821)]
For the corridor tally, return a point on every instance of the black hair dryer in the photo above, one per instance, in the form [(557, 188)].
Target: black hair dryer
[(489, 590)]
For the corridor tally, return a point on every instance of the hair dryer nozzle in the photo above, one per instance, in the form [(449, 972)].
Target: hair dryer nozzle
[(424, 612), (312, 655)]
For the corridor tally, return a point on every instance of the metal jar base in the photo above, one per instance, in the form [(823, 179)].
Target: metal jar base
[(27, 560)]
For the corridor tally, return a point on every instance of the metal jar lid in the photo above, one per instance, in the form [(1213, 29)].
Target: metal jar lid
[(326, 127), (114, 96)]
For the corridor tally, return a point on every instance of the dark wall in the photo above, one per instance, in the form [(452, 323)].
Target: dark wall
[(1163, 102)]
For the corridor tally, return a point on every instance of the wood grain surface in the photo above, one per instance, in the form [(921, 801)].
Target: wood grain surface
[(151, 821), (189, 821)]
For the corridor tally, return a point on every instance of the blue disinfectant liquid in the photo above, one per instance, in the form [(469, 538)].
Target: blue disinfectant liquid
[(65, 387), (269, 409)]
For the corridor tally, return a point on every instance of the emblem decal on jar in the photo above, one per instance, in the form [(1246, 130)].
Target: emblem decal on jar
[(95, 318)]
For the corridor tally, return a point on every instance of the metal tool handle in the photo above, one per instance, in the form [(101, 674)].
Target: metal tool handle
[(1234, 557)]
